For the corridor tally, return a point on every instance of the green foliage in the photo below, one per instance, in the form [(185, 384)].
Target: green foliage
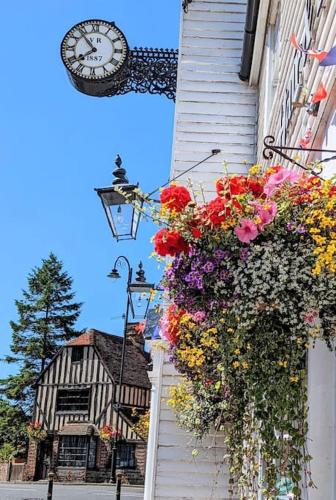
[(7, 452), (47, 315), (12, 427)]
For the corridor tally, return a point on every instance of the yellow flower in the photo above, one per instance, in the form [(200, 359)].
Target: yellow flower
[(255, 169), (237, 351), (235, 364), (283, 363), (294, 378), (245, 365)]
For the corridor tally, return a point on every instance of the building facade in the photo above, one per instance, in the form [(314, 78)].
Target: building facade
[(223, 42), (75, 398)]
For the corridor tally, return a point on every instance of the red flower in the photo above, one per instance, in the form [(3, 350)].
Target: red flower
[(169, 243), (196, 232), (175, 198), (170, 323), (218, 211), (231, 186), (256, 187)]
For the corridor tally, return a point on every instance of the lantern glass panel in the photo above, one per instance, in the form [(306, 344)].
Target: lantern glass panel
[(122, 216)]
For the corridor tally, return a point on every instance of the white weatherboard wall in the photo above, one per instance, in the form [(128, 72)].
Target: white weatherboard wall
[(171, 471), (214, 110)]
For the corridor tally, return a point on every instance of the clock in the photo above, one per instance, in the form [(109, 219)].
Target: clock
[(95, 54)]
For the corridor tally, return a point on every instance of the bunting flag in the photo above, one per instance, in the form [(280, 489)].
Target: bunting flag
[(306, 139), (325, 58), (320, 94)]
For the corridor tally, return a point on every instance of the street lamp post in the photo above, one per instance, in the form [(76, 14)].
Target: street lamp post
[(140, 285)]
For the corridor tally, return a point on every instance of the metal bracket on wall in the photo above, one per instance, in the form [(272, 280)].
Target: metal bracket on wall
[(315, 169), (148, 70)]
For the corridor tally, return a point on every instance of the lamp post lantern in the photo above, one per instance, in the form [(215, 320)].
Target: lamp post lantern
[(138, 286), (120, 202)]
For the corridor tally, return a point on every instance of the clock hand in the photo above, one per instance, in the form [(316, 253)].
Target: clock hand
[(89, 43), (81, 56)]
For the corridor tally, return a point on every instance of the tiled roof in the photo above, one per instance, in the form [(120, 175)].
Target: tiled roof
[(109, 348), (86, 338)]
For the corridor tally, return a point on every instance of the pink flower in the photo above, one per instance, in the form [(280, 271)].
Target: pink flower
[(247, 231), (266, 213), (198, 316), (277, 179), (311, 317)]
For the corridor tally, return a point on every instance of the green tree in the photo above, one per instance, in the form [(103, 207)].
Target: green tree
[(47, 315), (13, 434)]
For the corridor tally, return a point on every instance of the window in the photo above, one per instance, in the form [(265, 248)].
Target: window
[(73, 400), (126, 456), (77, 451), (77, 354)]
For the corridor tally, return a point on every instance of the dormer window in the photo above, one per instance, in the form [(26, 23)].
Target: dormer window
[(77, 354)]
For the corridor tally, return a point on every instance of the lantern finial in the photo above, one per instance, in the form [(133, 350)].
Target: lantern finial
[(119, 173), (140, 274)]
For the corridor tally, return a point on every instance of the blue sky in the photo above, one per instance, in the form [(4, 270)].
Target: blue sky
[(58, 144)]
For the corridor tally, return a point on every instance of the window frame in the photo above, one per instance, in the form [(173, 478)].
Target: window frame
[(130, 461), (77, 354), (70, 410), (88, 450)]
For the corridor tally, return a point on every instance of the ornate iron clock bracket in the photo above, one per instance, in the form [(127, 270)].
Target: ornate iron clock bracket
[(316, 169), (148, 70), (185, 5)]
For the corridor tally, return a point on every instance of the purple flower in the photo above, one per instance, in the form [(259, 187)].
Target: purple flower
[(244, 254), (208, 267), (290, 226), (301, 229), (224, 275), (219, 254), (194, 279)]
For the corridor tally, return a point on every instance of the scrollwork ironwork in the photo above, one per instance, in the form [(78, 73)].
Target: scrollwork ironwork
[(148, 70), (185, 5), (314, 168)]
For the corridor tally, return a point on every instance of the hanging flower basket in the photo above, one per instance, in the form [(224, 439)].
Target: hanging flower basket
[(252, 286), (36, 432), (108, 433)]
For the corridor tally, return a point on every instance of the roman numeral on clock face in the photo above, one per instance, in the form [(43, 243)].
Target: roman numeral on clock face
[(115, 62), (118, 51), (95, 28), (80, 67), (115, 39), (92, 71), (72, 59), (105, 71), (82, 30)]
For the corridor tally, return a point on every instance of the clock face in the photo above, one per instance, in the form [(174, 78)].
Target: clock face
[(94, 49)]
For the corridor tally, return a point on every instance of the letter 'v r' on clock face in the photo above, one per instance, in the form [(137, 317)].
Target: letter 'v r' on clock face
[(94, 50)]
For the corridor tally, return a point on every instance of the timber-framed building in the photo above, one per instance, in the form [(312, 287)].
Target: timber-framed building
[(75, 397)]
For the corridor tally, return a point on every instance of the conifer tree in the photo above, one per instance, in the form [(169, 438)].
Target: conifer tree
[(47, 315)]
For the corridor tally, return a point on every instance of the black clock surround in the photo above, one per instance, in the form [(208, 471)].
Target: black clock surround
[(99, 62)]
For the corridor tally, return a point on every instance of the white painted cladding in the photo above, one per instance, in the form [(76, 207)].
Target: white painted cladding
[(172, 472), (214, 110)]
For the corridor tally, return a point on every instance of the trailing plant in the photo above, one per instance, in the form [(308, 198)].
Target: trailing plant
[(36, 432), (141, 427), (251, 284)]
